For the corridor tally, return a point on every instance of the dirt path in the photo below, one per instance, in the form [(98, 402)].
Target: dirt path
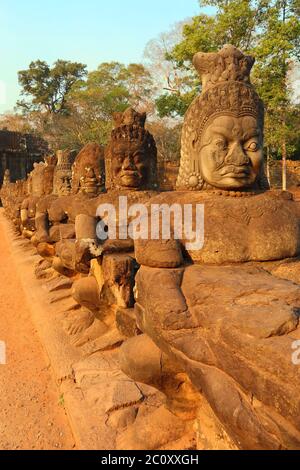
[(32, 415)]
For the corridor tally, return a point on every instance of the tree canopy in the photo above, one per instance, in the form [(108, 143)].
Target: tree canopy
[(48, 88), (71, 106), (267, 29)]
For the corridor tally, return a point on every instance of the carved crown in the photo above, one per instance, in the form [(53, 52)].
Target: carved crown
[(65, 159), (229, 64), (226, 90), (129, 117), (50, 160), (129, 126)]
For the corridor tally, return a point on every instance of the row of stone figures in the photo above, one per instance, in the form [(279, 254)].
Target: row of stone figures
[(213, 327)]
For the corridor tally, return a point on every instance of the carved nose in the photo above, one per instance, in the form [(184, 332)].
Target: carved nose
[(237, 156)]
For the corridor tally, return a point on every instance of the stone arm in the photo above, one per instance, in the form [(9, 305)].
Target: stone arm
[(86, 237), (159, 253), (24, 211), (28, 209), (42, 223)]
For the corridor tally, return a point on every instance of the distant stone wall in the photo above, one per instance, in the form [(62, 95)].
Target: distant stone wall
[(19, 152), (293, 174)]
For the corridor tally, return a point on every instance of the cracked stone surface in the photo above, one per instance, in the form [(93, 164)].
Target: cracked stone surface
[(232, 329)]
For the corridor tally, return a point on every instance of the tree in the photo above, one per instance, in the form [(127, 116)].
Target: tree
[(90, 104), (114, 87), (167, 138), (277, 52), (175, 82), (46, 88), (138, 81), (15, 123), (174, 104), (269, 30), (235, 22)]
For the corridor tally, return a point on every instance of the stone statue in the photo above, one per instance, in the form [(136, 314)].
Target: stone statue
[(229, 325), (130, 161), (89, 160), (63, 173), (12, 196), (75, 181), (40, 184), (130, 157), (222, 137), (204, 333), (6, 178)]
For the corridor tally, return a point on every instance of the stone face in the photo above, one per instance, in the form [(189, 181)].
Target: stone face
[(89, 160), (230, 327), (222, 137), (63, 173), (131, 155)]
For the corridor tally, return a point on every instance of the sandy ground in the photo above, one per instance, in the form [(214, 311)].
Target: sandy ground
[(32, 414)]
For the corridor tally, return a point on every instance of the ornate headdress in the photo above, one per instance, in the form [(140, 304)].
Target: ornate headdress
[(226, 89)]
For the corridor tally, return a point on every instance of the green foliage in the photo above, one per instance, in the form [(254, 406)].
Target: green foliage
[(234, 22), (270, 30), (47, 88), (172, 105), (277, 51), (71, 108), (113, 87)]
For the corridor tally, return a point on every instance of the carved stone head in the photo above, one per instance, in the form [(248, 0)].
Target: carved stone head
[(222, 137), (131, 156), (89, 183), (40, 180), (63, 173), (90, 157)]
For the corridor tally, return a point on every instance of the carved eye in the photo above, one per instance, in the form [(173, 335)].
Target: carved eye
[(221, 144), (252, 147)]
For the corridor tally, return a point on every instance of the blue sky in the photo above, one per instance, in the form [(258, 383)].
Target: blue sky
[(88, 31)]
